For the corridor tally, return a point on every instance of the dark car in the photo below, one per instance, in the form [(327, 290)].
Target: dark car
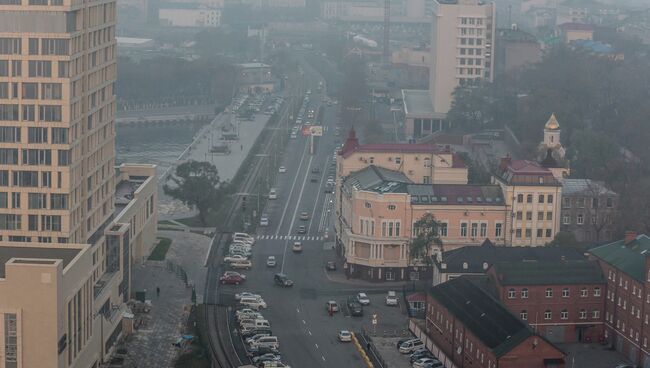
[(253, 352), (314, 179), (315, 170), (268, 357), (282, 280), (256, 331), (302, 229), (355, 308), (232, 279), (330, 266), (419, 354)]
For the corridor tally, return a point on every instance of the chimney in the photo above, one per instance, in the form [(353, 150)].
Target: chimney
[(505, 162), (630, 236)]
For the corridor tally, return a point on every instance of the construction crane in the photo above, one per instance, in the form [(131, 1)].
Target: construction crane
[(386, 32)]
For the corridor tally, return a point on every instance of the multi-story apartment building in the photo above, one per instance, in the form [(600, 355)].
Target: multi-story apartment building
[(561, 300), (402, 11), (58, 184), (589, 210), (466, 326), (379, 207), (626, 264), (533, 194), (462, 41)]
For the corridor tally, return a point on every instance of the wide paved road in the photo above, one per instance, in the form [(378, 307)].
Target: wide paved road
[(298, 315)]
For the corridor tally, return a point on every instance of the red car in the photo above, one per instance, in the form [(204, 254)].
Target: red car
[(231, 279)]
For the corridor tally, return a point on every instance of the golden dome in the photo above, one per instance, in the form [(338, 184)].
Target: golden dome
[(552, 123)]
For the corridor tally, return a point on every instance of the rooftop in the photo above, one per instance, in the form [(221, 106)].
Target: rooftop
[(132, 40), (525, 172), (253, 65), (378, 179), (459, 194), (584, 186), (629, 258), (36, 255), (516, 35), (472, 259), (548, 273), (352, 145), (483, 315), (417, 103)]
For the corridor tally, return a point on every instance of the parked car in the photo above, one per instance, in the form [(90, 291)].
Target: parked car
[(234, 258), (231, 279), (234, 273), (255, 337), (253, 303), (332, 305), (257, 351), (268, 357), (392, 299), (245, 294), (410, 346), (345, 336), (245, 265), (425, 362), (363, 299), (297, 247), (330, 266), (419, 354), (403, 340), (270, 261), (266, 341), (282, 280), (354, 307), (255, 331)]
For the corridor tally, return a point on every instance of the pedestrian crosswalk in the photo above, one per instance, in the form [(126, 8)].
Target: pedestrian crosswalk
[(289, 237)]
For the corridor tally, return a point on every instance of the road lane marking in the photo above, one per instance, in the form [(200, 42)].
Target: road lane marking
[(322, 357), (295, 180), (320, 183), (309, 332), (303, 322), (316, 346), (298, 310)]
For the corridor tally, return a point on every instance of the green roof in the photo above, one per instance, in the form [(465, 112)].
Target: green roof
[(549, 273), (628, 258)]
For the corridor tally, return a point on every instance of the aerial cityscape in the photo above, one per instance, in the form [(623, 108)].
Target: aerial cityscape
[(324, 183)]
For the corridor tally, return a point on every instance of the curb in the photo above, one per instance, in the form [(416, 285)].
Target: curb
[(363, 353)]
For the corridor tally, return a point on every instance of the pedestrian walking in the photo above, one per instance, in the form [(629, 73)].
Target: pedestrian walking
[(368, 347), (157, 291)]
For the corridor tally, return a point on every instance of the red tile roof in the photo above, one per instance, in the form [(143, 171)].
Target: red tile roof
[(527, 167)]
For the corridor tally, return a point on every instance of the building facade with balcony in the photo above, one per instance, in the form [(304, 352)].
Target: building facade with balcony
[(626, 265), (562, 300)]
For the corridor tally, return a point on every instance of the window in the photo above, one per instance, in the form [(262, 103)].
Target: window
[(443, 229), (483, 230), (549, 215), (32, 221), (512, 293), (529, 233), (584, 292), (51, 91), (610, 202), (540, 233), (15, 200), (540, 198), (50, 223), (10, 46), (60, 135), (367, 205), (523, 315), (580, 202), (566, 219), (49, 113), (580, 219), (29, 113), (518, 233), (25, 178), (540, 216), (64, 67), (474, 230), (4, 201), (520, 198), (549, 292), (4, 69), (64, 157), (40, 68), (564, 314), (583, 314), (519, 215), (524, 293), (9, 112), (463, 229), (33, 42), (37, 157), (497, 230), (565, 292), (391, 207), (529, 198), (30, 91), (16, 68), (596, 291), (37, 201), (10, 222), (37, 135), (9, 156), (529, 215), (58, 201), (55, 46), (566, 202), (9, 134), (550, 198), (398, 160), (548, 314)]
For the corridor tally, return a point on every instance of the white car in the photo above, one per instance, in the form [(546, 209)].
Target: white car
[(282, 169), (424, 362), (392, 299), (345, 336), (245, 265), (245, 294), (273, 194), (363, 299), (234, 258), (270, 261)]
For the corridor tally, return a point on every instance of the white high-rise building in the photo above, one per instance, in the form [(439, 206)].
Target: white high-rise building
[(462, 40)]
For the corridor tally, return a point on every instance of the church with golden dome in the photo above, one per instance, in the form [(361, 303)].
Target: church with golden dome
[(552, 139)]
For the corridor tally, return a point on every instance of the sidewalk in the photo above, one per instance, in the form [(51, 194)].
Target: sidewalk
[(226, 164)]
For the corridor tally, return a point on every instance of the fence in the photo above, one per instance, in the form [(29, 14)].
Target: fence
[(179, 271)]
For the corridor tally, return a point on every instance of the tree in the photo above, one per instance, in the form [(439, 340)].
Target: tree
[(427, 229), (197, 185), (565, 240)]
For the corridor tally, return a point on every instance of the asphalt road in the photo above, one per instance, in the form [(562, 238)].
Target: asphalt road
[(298, 315)]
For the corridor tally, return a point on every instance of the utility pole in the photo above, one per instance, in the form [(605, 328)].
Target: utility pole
[(386, 32)]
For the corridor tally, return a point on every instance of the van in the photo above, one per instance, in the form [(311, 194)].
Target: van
[(253, 303), (410, 346), (267, 342), (273, 194)]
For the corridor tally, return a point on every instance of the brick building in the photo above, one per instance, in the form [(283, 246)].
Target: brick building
[(471, 260), (468, 327), (563, 301), (626, 264)]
